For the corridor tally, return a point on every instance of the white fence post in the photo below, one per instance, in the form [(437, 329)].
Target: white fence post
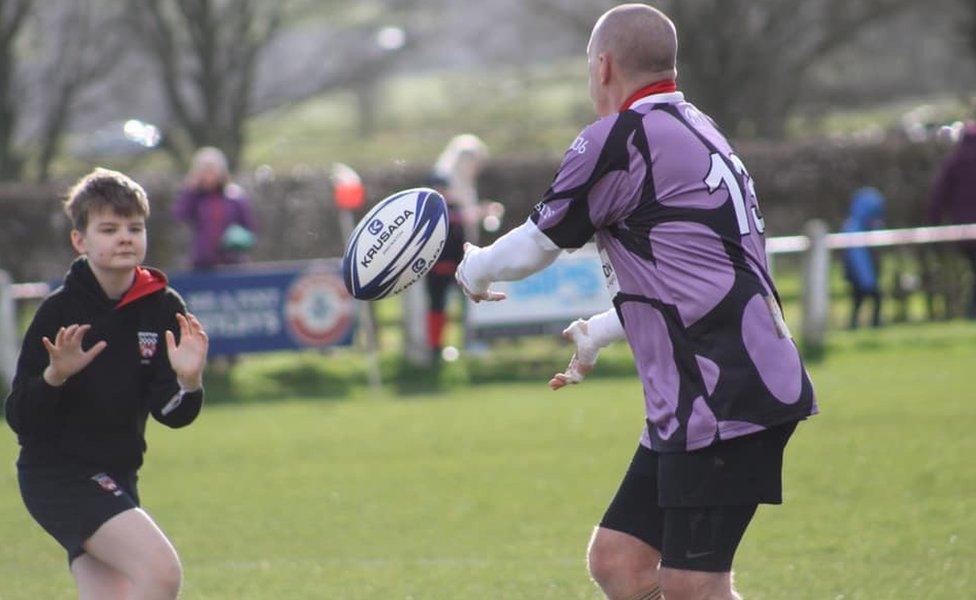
[(816, 288), (9, 332), (366, 315), (414, 317)]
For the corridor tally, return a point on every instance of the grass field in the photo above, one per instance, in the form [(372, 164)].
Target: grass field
[(491, 491)]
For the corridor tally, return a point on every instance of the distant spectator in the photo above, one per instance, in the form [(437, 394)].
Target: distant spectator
[(860, 264), (220, 216), (460, 163), (954, 197), (440, 280)]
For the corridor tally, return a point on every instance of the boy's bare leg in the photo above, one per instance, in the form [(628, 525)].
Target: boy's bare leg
[(132, 544)]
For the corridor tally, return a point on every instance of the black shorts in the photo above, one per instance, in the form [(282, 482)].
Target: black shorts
[(72, 502), (694, 507)]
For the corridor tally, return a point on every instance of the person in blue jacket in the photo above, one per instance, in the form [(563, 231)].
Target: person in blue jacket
[(860, 264)]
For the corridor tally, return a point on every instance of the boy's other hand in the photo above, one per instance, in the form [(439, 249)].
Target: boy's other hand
[(189, 357), (66, 355)]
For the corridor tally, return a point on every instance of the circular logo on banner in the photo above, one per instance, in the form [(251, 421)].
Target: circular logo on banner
[(318, 309)]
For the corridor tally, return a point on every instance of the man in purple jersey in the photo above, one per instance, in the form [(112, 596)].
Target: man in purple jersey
[(676, 220)]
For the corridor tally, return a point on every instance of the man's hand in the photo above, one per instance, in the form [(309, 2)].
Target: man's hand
[(190, 357), (584, 359), (473, 289), (66, 355)]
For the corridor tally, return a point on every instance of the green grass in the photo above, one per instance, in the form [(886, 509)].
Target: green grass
[(873, 120), (490, 491)]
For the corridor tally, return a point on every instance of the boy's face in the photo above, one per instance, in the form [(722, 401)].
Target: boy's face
[(112, 242)]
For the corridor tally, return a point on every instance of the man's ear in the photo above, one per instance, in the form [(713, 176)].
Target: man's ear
[(605, 67), (78, 241)]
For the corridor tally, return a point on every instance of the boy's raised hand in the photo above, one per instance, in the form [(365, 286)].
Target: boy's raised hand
[(66, 355), (189, 357)]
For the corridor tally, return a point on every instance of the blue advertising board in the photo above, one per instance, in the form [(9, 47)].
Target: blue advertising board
[(262, 308)]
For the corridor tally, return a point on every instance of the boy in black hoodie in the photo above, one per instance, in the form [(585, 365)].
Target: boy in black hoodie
[(98, 358)]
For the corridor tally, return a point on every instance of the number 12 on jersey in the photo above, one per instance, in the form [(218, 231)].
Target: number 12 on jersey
[(720, 173)]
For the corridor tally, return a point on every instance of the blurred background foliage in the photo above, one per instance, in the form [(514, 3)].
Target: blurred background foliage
[(380, 83)]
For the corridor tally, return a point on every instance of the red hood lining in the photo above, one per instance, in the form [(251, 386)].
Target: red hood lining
[(147, 281)]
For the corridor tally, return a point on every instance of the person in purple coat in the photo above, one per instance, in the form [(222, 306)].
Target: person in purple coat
[(954, 197), (217, 211)]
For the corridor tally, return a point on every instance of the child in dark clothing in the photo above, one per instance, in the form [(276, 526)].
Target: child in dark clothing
[(440, 280), (98, 358)]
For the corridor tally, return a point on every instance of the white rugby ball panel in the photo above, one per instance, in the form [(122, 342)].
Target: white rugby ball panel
[(395, 244)]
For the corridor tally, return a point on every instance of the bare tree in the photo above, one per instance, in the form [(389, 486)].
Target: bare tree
[(205, 53), (969, 27), (750, 60), (13, 13), (84, 40), (61, 49), (356, 50), (745, 62)]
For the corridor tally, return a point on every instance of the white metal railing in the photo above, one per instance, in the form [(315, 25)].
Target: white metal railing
[(9, 332), (877, 238), (30, 291), (816, 245)]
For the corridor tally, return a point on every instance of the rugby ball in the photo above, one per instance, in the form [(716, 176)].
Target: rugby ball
[(395, 244)]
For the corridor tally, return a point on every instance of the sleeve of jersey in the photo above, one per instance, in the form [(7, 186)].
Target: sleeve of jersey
[(570, 213), (170, 405), (32, 401), (605, 328)]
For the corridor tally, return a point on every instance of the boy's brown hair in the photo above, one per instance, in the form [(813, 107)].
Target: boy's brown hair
[(105, 189)]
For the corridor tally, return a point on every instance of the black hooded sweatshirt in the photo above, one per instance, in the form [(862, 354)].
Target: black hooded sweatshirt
[(98, 417)]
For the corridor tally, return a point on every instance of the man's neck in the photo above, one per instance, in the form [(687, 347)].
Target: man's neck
[(636, 91), (114, 283)]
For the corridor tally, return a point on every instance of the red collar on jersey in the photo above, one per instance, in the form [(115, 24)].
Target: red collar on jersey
[(658, 87), (147, 281)]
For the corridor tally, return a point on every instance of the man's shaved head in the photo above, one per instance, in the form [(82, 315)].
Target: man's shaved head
[(641, 39)]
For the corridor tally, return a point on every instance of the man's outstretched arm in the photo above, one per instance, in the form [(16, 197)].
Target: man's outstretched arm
[(516, 255)]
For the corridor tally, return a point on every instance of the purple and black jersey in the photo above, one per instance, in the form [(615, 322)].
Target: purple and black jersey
[(676, 217)]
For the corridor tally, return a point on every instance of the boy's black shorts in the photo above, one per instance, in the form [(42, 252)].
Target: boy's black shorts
[(694, 507), (72, 502)]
